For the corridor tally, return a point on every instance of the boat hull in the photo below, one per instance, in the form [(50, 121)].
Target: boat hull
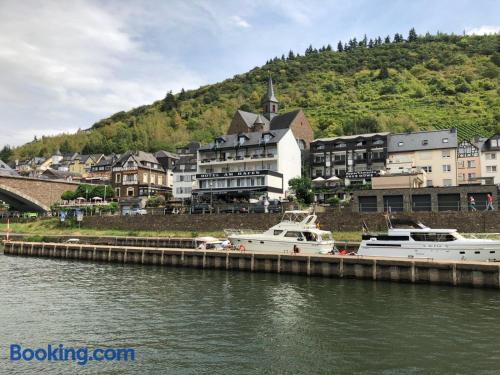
[(479, 251), (278, 246)]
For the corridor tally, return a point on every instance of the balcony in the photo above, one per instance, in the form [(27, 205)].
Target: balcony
[(239, 158), (120, 169), (131, 182)]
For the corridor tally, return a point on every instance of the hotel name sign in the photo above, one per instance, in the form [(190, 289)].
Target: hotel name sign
[(232, 174)]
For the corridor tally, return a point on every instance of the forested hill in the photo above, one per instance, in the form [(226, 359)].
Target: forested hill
[(393, 84)]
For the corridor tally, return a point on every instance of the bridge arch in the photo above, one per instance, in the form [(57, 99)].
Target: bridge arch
[(21, 201)]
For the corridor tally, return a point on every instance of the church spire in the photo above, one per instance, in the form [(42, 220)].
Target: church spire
[(269, 101)]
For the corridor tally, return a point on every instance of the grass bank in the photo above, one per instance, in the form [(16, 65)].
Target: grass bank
[(54, 227)]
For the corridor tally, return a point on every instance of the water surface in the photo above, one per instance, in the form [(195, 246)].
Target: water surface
[(188, 321)]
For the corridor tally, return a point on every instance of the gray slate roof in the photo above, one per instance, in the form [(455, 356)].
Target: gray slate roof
[(419, 141), (5, 170), (254, 139), (350, 137), (166, 154), (140, 156), (250, 118)]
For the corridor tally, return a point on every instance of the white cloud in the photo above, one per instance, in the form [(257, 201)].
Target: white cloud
[(66, 65), (481, 30), (240, 22)]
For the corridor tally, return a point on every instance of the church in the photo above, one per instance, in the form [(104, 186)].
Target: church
[(269, 120)]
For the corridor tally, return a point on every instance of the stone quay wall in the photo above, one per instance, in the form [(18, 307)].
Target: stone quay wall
[(335, 221), (452, 273)]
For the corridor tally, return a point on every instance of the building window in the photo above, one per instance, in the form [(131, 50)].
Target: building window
[(492, 156), (445, 153), (446, 168), (118, 178), (145, 178), (471, 164), (117, 192), (447, 182), (445, 140), (427, 168), (160, 180), (461, 164), (130, 192), (491, 168), (495, 142), (472, 176)]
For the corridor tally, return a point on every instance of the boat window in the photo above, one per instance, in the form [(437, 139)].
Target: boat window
[(293, 234), (433, 237), (277, 232), (326, 236), (310, 236), (310, 219)]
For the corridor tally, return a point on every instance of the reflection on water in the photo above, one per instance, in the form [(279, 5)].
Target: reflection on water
[(186, 321)]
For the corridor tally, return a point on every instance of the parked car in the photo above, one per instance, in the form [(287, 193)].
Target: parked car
[(201, 208), (138, 211), (30, 215), (234, 209), (274, 206)]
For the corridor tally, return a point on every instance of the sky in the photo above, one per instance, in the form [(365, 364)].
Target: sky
[(67, 64)]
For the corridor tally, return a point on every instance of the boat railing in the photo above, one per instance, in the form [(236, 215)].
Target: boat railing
[(231, 231)]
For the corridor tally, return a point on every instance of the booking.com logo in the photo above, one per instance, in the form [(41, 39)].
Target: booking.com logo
[(59, 353)]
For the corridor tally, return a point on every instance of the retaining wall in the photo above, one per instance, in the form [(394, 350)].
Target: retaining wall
[(475, 274)]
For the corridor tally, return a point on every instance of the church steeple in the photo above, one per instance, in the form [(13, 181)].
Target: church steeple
[(269, 102)]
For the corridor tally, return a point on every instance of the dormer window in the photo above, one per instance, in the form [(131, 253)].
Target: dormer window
[(267, 137), (425, 142), (241, 140), (400, 143), (445, 140)]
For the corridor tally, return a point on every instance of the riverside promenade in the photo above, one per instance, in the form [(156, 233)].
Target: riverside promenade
[(452, 273)]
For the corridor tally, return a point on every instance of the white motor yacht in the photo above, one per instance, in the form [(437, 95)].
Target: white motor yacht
[(297, 232), (414, 240)]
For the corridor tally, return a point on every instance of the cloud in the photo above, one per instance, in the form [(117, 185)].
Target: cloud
[(481, 30), (240, 22), (66, 65)]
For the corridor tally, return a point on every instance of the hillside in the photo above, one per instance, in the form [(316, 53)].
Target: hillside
[(429, 82)]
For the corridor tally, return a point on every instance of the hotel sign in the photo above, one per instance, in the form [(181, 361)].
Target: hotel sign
[(361, 174), (232, 174)]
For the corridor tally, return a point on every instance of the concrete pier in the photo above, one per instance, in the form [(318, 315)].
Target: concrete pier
[(454, 273)]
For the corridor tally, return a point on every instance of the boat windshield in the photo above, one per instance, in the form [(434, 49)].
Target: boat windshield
[(326, 236)]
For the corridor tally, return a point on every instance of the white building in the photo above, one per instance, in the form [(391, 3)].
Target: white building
[(184, 173), (490, 156), (248, 165)]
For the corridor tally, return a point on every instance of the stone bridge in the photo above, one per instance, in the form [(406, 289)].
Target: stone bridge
[(32, 194)]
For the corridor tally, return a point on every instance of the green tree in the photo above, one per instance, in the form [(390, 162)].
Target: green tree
[(412, 35), (98, 191), (340, 47), (65, 147), (68, 195), (5, 153), (169, 102), (302, 188), (383, 73)]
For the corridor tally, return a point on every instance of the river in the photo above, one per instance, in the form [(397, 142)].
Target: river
[(188, 321)]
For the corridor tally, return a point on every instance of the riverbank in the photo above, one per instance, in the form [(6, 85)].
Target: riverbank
[(53, 227)]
